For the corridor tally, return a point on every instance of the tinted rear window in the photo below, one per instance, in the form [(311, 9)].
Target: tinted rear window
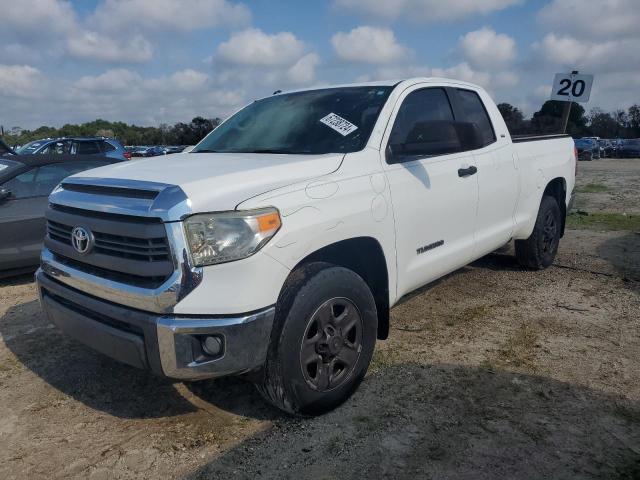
[(474, 111)]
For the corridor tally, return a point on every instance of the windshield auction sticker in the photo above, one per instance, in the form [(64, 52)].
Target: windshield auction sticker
[(339, 124)]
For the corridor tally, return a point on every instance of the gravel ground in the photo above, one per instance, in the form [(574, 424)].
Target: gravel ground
[(492, 372)]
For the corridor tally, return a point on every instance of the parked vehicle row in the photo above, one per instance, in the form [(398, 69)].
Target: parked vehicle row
[(594, 148), (153, 150), (102, 146)]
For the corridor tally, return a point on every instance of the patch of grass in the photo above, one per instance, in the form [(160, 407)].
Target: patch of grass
[(519, 349), (382, 359), (592, 188), (603, 221)]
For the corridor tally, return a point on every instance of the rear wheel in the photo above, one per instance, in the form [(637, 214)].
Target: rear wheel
[(322, 342), (539, 250)]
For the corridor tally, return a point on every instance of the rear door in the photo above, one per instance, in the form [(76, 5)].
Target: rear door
[(498, 183), (434, 206)]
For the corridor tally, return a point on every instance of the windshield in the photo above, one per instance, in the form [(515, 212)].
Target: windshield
[(584, 143), (334, 120), (30, 147)]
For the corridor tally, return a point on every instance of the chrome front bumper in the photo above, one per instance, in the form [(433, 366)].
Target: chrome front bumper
[(169, 345)]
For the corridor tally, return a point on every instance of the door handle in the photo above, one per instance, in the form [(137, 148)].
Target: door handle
[(466, 172)]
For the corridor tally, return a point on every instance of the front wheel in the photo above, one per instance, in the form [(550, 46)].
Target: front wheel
[(539, 250), (322, 341)]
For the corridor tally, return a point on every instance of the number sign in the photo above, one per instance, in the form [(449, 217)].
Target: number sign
[(571, 87)]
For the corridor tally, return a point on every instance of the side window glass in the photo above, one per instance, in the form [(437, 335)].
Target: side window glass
[(23, 185), (107, 147), (474, 111), (88, 148), (56, 148), (424, 126)]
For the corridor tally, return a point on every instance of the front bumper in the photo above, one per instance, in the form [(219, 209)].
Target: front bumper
[(169, 345)]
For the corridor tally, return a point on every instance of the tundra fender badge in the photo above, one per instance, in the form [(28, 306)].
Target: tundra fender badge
[(431, 246)]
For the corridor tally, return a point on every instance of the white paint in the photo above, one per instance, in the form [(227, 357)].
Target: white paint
[(324, 199)]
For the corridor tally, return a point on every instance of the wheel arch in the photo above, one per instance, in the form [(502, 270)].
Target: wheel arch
[(557, 189), (365, 256)]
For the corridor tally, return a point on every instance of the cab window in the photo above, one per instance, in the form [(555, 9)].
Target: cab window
[(424, 126), (472, 110)]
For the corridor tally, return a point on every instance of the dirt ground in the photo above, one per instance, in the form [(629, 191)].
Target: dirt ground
[(492, 372)]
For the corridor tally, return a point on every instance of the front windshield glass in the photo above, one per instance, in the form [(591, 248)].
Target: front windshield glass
[(30, 147), (334, 120)]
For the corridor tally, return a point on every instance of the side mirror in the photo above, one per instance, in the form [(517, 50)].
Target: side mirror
[(4, 194)]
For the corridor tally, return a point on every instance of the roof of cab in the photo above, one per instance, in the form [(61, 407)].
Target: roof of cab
[(388, 83)]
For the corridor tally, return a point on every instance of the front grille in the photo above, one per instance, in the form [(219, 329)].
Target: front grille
[(143, 249), (128, 249)]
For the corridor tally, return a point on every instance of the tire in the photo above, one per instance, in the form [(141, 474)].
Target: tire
[(539, 250), (316, 360)]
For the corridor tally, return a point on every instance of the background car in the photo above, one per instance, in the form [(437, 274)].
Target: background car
[(103, 146), (606, 148), (148, 151), (587, 148), (630, 148), (25, 184)]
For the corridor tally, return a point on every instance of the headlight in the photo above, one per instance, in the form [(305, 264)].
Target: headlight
[(228, 236)]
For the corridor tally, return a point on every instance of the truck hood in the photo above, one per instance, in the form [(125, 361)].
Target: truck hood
[(220, 181)]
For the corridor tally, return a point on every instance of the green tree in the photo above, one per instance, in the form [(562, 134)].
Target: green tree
[(513, 117), (549, 118)]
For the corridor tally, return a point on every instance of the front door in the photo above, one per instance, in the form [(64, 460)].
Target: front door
[(434, 189)]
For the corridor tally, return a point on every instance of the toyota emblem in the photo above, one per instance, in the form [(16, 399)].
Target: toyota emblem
[(82, 240)]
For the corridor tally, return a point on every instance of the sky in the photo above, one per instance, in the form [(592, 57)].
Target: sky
[(150, 62)]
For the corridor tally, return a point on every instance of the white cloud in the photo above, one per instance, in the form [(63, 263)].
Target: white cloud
[(304, 70), (254, 47), (97, 47), (463, 71), (112, 81), (162, 15), (42, 18), (601, 56), (601, 18), (485, 48), (20, 81), (367, 44), (124, 94), (423, 10)]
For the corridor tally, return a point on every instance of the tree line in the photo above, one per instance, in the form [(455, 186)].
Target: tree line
[(598, 123), (178, 134)]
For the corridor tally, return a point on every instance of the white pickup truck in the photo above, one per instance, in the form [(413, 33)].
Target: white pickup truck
[(277, 246)]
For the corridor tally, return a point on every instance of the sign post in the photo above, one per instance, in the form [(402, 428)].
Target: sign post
[(571, 88)]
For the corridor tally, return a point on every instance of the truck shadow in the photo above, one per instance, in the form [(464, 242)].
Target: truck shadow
[(623, 254), (15, 280), (88, 377), (448, 421)]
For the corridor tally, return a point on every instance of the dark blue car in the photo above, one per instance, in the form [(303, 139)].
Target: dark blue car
[(587, 148), (630, 148)]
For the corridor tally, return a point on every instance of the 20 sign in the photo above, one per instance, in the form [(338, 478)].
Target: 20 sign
[(569, 87)]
